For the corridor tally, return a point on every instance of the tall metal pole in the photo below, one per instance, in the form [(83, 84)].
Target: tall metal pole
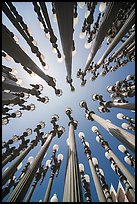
[(72, 185), (22, 187), (14, 88), (47, 194), (125, 137), (125, 28), (110, 14), (128, 106)]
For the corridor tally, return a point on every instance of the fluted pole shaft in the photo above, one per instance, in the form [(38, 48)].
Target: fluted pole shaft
[(72, 186), (123, 136), (128, 106), (124, 170), (110, 14), (22, 187), (130, 39), (13, 168), (47, 194), (64, 12), (125, 28), (31, 191), (14, 88), (97, 183)]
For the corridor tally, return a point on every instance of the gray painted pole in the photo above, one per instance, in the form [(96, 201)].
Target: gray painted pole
[(97, 183), (123, 136), (31, 191), (64, 12), (128, 106), (47, 194), (14, 88), (109, 16), (13, 168), (22, 187), (125, 28), (124, 170), (72, 186)]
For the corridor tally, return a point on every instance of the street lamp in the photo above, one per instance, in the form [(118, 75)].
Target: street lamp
[(125, 137), (128, 126), (86, 183), (97, 184), (54, 198), (25, 182), (105, 145), (101, 177), (129, 158)]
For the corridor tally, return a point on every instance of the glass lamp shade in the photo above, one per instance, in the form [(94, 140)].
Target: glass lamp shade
[(18, 114), (68, 111), (128, 77), (55, 147), (94, 97), (74, 52), (46, 67), (5, 121), (81, 135), (97, 139), (101, 109), (95, 161), (25, 95), (87, 45), (60, 157), (29, 31), (122, 148), (48, 163), (15, 138), (40, 201), (82, 35), (54, 198), (32, 107), (81, 168), (103, 73), (94, 129), (101, 171), (120, 116), (82, 104), (102, 6), (47, 35), (58, 92), (60, 59), (29, 131), (117, 83), (54, 17), (109, 89), (62, 129), (19, 166), (93, 78), (81, 4), (107, 155), (87, 13), (42, 124), (13, 71), (112, 166), (54, 50), (87, 144), (19, 81), (108, 120), (125, 125), (40, 87), (87, 178), (127, 160), (30, 159)]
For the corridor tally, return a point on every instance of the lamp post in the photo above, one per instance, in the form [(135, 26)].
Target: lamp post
[(19, 192), (109, 16), (121, 175), (72, 185), (54, 198), (64, 13), (86, 183), (105, 145), (54, 169), (104, 185), (98, 187), (128, 158), (125, 137)]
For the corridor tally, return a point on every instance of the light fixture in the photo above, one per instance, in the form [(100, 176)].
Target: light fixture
[(87, 144), (55, 147), (29, 131), (81, 4), (95, 161), (125, 125), (94, 129), (19, 166), (127, 160), (81, 168), (87, 178), (41, 26), (87, 45), (13, 71), (81, 135), (42, 124), (120, 116), (16, 38), (122, 148), (75, 21), (19, 81), (8, 57), (82, 35), (87, 13), (101, 171), (60, 157), (34, 42), (102, 6), (54, 198), (97, 139), (48, 163)]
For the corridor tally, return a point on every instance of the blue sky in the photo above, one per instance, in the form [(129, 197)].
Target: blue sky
[(57, 105)]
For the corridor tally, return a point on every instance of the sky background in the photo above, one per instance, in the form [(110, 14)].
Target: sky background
[(57, 105)]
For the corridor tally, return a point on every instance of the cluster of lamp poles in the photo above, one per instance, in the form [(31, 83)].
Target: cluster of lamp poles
[(74, 174)]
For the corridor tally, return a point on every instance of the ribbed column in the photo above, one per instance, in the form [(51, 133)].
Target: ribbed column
[(64, 12), (72, 187), (128, 106), (109, 16), (31, 191), (125, 137), (22, 187), (47, 194), (125, 28), (14, 88)]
